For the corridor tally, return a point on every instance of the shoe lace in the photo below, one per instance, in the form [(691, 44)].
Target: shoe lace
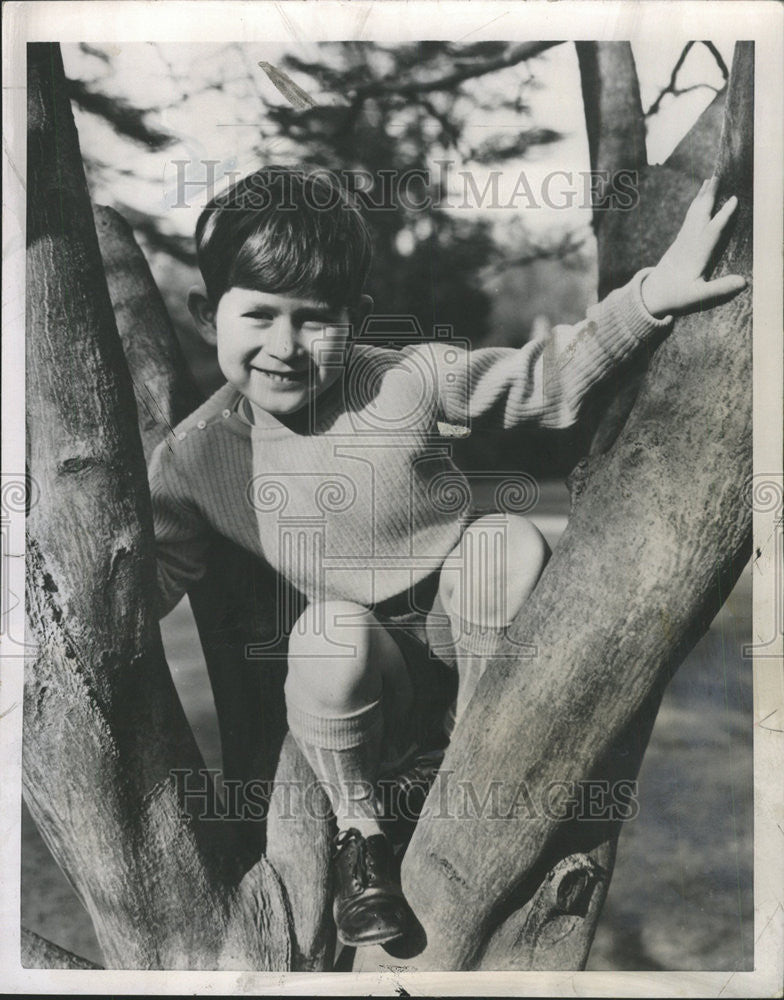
[(360, 870)]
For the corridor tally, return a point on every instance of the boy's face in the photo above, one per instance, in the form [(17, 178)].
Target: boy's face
[(279, 351)]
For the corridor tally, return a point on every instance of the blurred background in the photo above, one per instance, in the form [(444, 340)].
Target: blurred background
[(484, 238)]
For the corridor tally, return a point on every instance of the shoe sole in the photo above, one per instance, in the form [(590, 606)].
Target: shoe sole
[(380, 937), (362, 942)]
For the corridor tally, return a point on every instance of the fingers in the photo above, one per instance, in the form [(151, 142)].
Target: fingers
[(724, 287), (711, 229), (722, 217), (702, 205), (708, 229)]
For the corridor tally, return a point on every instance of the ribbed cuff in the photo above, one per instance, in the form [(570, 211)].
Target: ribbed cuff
[(438, 630), (633, 313), (339, 732), (479, 640)]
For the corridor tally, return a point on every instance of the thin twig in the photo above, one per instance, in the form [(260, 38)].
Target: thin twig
[(718, 57), (677, 91), (670, 88)]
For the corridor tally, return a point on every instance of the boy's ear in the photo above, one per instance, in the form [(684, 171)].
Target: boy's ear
[(203, 314)]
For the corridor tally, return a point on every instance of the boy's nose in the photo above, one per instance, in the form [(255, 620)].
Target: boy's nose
[(283, 342)]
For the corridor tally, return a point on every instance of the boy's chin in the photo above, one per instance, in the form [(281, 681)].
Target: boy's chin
[(282, 407), (282, 401), (281, 404)]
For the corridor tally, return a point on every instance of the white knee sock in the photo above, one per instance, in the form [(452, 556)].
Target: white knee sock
[(474, 647), (344, 752)]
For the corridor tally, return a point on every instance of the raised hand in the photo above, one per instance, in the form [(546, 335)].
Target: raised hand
[(677, 284)]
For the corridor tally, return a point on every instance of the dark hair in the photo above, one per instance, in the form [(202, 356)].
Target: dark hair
[(285, 230)]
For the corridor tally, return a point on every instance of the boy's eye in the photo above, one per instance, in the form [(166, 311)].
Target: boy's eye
[(258, 314)]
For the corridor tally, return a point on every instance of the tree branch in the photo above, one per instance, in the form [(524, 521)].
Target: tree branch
[(670, 88), (718, 57), (163, 391), (407, 88), (676, 91), (123, 117), (615, 126)]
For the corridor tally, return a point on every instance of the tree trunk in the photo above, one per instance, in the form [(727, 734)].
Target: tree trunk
[(626, 242), (615, 126), (653, 547), (103, 728)]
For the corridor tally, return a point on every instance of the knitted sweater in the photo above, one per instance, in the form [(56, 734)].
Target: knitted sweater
[(366, 501)]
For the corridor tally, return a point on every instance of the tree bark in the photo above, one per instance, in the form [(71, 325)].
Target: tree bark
[(38, 953), (661, 538), (103, 728), (634, 237), (626, 242), (162, 388), (616, 142)]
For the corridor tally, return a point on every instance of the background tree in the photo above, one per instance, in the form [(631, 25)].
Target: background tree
[(99, 692), (388, 112)]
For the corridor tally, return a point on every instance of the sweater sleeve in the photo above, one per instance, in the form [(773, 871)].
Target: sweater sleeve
[(545, 381), (182, 536)]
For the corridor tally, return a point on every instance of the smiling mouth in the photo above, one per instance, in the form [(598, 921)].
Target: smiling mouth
[(283, 378)]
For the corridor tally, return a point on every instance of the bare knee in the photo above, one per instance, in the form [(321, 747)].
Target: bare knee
[(528, 554), (330, 669), (492, 571)]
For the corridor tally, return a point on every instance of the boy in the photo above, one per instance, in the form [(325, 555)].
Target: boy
[(322, 455)]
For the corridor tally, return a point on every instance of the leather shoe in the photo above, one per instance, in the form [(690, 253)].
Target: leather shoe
[(369, 907)]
